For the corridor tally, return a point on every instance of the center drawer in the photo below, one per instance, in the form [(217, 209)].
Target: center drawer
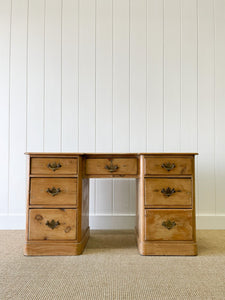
[(104, 166), (168, 192), (53, 191), (52, 224)]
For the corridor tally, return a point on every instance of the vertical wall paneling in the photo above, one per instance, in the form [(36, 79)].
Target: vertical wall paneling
[(5, 31), (138, 75), (104, 197), (121, 120), (104, 107), (155, 75), (121, 196), (53, 68), (17, 126), (87, 83), (172, 70), (69, 75), (87, 76), (35, 75), (206, 106), (188, 141), (112, 76), (189, 81), (121, 99), (219, 105), (104, 76), (138, 84)]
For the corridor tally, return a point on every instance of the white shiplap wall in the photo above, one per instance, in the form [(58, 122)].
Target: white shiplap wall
[(113, 76)]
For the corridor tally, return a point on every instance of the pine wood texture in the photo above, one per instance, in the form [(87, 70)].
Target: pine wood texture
[(167, 248), (182, 165), (40, 166), (42, 248), (105, 166), (42, 191), (58, 200), (179, 193), (156, 220), (40, 221)]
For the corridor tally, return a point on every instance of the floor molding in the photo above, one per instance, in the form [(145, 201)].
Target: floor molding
[(210, 222), (120, 221)]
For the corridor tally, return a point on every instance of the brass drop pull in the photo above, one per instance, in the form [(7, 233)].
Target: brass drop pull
[(53, 191), (111, 167), (168, 192), (54, 166), (169, 224), (53, 224), (168, 166)]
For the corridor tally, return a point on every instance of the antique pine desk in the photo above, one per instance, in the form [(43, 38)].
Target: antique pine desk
[(58, 200)]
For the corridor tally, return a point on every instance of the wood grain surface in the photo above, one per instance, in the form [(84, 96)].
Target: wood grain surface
[(155, 231), (39, 230), (181, 194), (67, 194), (40, 165)]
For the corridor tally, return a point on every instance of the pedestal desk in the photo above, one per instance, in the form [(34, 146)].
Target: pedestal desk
[(58, 200)]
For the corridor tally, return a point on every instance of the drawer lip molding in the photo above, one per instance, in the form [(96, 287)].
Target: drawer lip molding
[(52, 224), (41, 188), (168, 225), (168, 192), (54, 166)]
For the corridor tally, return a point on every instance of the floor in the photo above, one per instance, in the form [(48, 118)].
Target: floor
[(111, 268)]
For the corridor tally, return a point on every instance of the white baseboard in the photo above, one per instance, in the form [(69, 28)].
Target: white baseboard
[(112, 222), (18, 221), (210, 222), (12, 221)]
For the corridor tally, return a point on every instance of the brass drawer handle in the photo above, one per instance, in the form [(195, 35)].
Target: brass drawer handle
[(168, 192), (111, 167), (54, 166), (168, 166), (53, 224), (169, 224), (53, 191)]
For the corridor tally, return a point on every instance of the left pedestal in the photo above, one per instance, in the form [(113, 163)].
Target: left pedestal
[(57, 205)]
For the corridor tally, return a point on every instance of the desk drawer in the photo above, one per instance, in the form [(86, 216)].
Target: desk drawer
[(168, 225), (168, 192), (53, 191), (52, 224), (104, 166), (54, 166), (168, 165)]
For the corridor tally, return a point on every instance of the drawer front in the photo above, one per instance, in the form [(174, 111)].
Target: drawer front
[(53, 191), (168, 192), (168, 225), (54, 166), (52, 224), (168, 165), (104, 166)]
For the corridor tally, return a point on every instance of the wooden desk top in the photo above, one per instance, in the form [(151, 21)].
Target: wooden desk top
[(108, 154)]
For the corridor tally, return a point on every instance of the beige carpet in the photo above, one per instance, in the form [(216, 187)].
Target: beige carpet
[(111, 268)]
